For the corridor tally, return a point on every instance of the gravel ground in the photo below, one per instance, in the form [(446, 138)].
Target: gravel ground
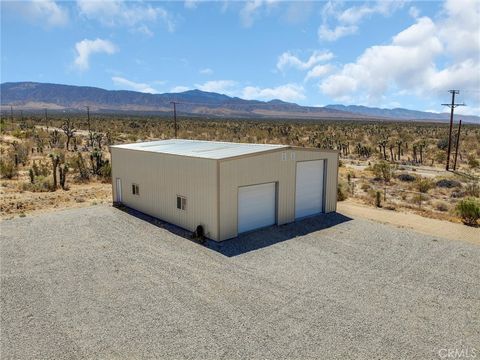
[(100, 283)]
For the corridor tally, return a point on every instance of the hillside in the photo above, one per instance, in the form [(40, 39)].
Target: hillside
[(36, 96)]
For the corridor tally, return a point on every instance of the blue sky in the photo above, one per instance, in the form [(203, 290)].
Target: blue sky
[(374, 53)]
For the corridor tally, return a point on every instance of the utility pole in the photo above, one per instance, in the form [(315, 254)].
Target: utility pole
[(46, 119), (174, 116), (451, 106), (456, 145), (89, 129)]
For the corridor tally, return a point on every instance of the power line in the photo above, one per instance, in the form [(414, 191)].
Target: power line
[(451, 106)]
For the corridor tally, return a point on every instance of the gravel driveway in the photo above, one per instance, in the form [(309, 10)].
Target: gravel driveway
[(98, 282)]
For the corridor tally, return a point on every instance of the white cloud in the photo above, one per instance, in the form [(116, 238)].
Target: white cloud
[(178, 89), (206, 71), (423, 60), (144, 29), (325, 33), (47, 12), (218, 86), (145, 88), (87, 47), (123, 13), (287, 92), (287, 59), (347, 20), (190, 4), (252, 8), (318, 71), (414, 12)]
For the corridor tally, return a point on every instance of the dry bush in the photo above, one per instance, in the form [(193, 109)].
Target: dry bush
[(441, 206)]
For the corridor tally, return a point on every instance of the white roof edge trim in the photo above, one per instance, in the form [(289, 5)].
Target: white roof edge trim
[(201, 148)]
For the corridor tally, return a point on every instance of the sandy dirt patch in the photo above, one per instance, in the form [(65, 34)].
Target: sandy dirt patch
[(434, 227)]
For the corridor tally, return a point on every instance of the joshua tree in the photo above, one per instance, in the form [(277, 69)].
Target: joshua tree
[(421, 145), (54, 139), (392, 157), (383, 146), (399, 145), (55, 162), (63, 169), (69, 131)]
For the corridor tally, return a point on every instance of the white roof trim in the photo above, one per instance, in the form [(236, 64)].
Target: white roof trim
[(200, 148)]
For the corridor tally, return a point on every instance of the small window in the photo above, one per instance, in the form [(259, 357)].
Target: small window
[(292, 155), (181, 203), (135, 189), (284, 156)]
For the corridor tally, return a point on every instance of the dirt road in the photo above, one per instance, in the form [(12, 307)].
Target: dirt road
[(416, 222)]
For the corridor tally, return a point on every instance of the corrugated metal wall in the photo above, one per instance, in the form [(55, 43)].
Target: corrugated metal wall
[(161, 178), (278, 166)]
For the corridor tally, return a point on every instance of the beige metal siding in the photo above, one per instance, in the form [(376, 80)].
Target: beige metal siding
[(278, 166), (161, 177)]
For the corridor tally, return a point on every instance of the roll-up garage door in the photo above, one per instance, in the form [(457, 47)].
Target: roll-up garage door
[(256, 206), (309, 188)]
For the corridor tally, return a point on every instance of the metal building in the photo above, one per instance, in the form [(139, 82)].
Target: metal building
[(228, 188)]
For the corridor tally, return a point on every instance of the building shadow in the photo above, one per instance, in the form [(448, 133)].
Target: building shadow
[(253, 240), (272, 235)]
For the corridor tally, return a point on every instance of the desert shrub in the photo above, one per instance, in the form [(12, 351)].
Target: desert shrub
[(423, 185), (406, 177), (469, 210), (441, 205), (106, 171), (365, 187), (79, 166), (473, 162), (19, 152), (382, 170), (456, 194), (448, 183), (40, 169), (420, 198), (342, 193), (8, 170), (442, 144), (472, 189), (41, 184)]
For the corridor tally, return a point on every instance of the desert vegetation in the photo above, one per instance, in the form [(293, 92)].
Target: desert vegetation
[(63, 160)]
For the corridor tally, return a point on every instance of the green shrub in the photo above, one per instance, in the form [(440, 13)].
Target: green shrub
[(8, 169), (342, 193), (423, 185), (106, 171), (41, 184), (382, 170), (469, 210)]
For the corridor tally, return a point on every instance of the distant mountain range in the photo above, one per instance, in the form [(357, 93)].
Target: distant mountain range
[(56, 97)]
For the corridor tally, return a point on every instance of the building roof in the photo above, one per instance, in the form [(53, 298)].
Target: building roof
[(200, 148)]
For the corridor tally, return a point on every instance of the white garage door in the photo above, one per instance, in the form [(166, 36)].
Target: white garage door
[(256, 206), (309, 188)]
